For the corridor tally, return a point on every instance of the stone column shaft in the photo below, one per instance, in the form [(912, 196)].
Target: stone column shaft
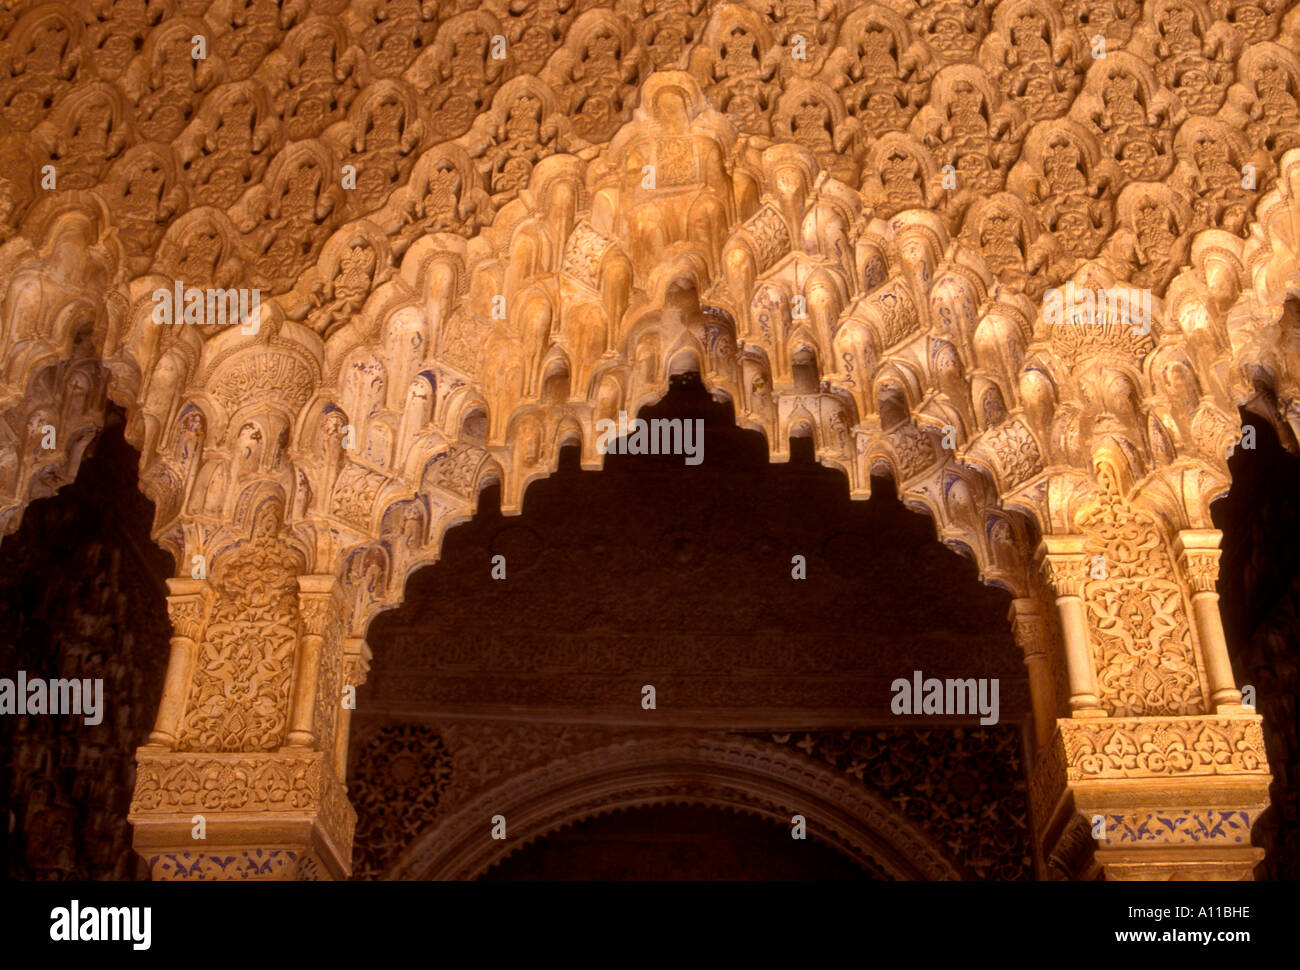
[(1065, 565), (1198, 556), (1027, 627), (356, 665), (188, 603), (318, 596)]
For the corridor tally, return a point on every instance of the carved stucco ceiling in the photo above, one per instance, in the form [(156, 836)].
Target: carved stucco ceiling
[(229, 167)]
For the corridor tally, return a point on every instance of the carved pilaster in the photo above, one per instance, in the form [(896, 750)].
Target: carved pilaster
[(1139, 617), (238, 697)]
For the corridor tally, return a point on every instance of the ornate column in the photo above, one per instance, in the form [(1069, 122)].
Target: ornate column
[(1065, 567), (319, 662), (356, 667), (242, 778), (1027, 628), (1198, 557), (1168, 781), (188, 604)]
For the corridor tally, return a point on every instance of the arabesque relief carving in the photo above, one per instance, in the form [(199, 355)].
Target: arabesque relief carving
[(1146, 664), (463, 261), (239, 692)]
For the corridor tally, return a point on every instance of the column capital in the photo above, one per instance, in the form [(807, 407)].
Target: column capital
[(319, 584), (1026, 620), (185, 586), (1063, 560), (356, 661), (1198, 556), (188, 603), (320, 602)]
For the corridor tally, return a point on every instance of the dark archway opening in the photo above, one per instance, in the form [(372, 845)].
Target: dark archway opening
[(82, 595), (674, 842), (1259, 599), (655, 572)]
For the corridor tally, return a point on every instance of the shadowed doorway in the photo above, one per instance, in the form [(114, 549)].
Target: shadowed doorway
[(674, 842)]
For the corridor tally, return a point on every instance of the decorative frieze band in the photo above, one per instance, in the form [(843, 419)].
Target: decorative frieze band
[(249, 865), (170, 784), (1169, 749), (1182, 827), (1161, 747)]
